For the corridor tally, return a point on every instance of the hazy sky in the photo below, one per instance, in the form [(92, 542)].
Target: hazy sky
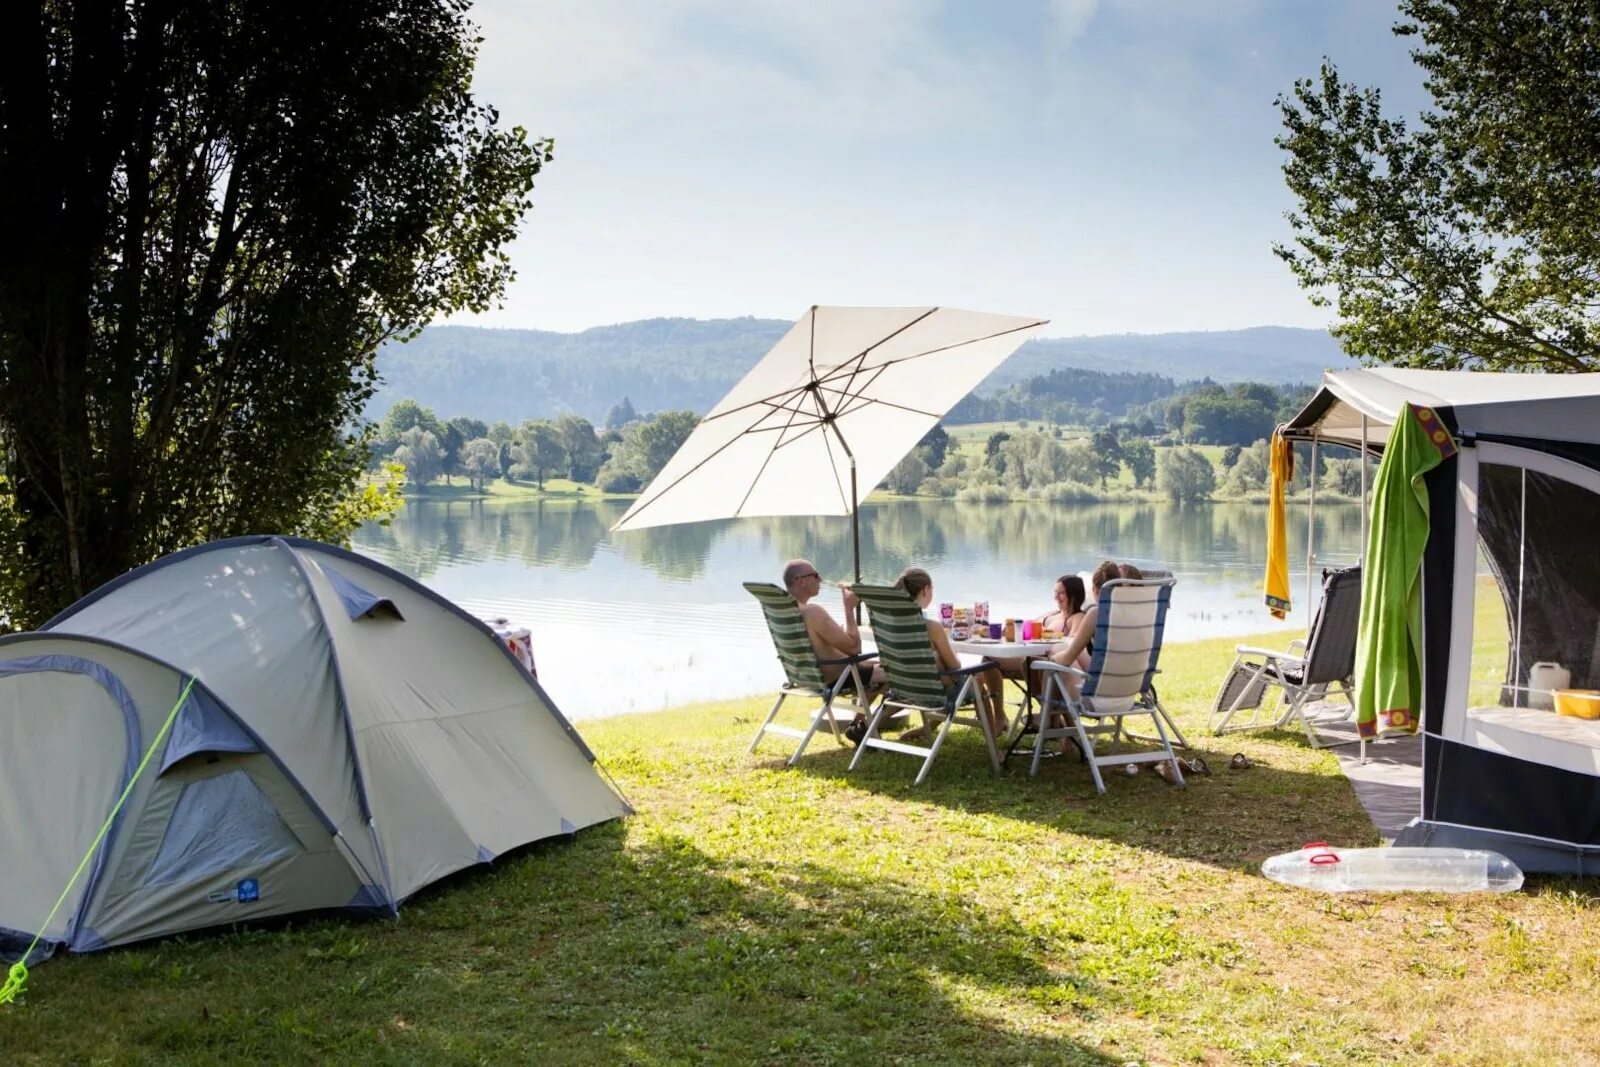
[(1107, 165)]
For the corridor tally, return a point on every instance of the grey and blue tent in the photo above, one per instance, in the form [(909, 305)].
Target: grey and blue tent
[(345, 737), (1510, 598)]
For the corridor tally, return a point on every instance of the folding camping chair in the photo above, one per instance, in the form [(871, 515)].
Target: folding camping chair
[(1027, 724), (916, 681), (1326, 660), (1118, 684), (803, 671)]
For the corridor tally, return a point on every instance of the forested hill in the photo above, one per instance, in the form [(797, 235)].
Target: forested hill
[(663, 364)]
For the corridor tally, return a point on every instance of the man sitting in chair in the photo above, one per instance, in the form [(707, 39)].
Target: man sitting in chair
[(828, 639)]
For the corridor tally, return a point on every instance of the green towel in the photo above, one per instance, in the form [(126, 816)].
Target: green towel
[(1389, 645)]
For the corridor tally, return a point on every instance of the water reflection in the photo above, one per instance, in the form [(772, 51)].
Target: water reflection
[(667, 603)]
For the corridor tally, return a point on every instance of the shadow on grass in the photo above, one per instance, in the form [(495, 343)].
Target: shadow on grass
[(1230, 818), (596, 951)]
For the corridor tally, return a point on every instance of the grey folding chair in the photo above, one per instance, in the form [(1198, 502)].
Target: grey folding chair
[(1303, 675), (1119, 684), (916, 681), (803, 671)]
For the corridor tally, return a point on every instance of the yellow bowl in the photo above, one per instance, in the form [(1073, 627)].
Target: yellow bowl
[(1578, 703)]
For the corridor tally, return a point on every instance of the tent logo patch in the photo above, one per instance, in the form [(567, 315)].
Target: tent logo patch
[(249, 890)]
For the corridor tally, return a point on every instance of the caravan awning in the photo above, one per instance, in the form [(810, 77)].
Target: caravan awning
[(1552, 406)]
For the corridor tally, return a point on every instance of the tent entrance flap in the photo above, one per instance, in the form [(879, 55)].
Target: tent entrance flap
[(64, 748)]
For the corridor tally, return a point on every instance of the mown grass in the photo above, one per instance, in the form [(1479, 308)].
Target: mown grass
[(752, 913)]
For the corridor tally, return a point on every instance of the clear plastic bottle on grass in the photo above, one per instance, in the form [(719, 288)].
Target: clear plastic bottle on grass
[(1431, 870)]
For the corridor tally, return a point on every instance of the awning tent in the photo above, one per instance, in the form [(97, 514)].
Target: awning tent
[(1522, 495)]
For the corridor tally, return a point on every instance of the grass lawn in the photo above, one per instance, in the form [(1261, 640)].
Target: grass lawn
[(752, 913)]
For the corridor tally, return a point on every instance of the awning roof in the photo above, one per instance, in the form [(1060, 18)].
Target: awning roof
[(1561, 407)]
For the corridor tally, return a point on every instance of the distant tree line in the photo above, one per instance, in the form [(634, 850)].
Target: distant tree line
[(1149, 405), (1039, 465), (621, 458)]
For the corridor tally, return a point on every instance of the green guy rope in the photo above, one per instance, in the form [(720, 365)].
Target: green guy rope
[(19, 970)]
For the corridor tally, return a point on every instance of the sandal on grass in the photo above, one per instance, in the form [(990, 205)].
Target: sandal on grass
[(1194, 765), (1240, 762)]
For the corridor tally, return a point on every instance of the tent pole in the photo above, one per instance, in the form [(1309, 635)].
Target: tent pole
[(1311, 521), (1361, 557)]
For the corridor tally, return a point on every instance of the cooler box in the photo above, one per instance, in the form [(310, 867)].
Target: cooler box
[(517, 640)]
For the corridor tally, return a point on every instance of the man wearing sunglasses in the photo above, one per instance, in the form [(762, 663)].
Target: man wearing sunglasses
[(828, 638)]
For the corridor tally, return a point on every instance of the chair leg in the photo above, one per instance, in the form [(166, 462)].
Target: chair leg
[(873, 722), (824, 712), (933, 749), (773, 714), (1163, 715), (1089, 754), (981, 702), (1047, 709)]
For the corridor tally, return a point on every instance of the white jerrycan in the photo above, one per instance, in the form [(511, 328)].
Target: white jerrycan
[(1543, 677)]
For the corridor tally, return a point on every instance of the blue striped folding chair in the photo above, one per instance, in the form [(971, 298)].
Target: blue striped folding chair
[(916, 681), (803, 672), (1119, 684)]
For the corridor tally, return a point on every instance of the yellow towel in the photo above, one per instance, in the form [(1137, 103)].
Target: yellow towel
[(1277, 585)]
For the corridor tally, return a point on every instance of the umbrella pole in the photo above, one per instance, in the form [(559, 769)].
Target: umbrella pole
[(855, 519), (855, 529)]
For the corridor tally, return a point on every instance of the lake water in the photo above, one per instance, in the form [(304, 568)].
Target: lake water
[(655, 618)]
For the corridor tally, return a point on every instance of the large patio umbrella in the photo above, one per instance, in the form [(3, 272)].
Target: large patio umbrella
[(827, 414)]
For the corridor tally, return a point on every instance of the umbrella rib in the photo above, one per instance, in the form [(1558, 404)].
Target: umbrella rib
[(642, 504), (811, 361), (859, 368), (793, 413), (936, 351)]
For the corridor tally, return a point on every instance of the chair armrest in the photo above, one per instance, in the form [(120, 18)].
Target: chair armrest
[(1052, 665), (962, 672), (860, 657), (1268, 653)]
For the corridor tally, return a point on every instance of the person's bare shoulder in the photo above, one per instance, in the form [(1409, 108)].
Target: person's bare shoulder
[(814, 612)]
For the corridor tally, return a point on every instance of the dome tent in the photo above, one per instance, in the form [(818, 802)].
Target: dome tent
[(349, 737)]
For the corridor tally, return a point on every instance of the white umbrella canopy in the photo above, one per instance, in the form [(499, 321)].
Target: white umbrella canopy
[(825, 415)]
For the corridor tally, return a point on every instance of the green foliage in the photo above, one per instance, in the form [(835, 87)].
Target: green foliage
[(1231, 456), (213, 215), (643, 448), (1075, 396), (933, 446), (994, 450), (908, 475), (1185, 475), (1140, 457), (584, 454), (536, 451), (1235, 415), (480, 462), (1107, 454), (1250, 470), (1473, 239), (620, 415), (420, 454)]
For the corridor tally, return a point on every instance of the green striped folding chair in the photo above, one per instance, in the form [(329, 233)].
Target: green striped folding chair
[(916, 681), (802, 670), (1119, 683)]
